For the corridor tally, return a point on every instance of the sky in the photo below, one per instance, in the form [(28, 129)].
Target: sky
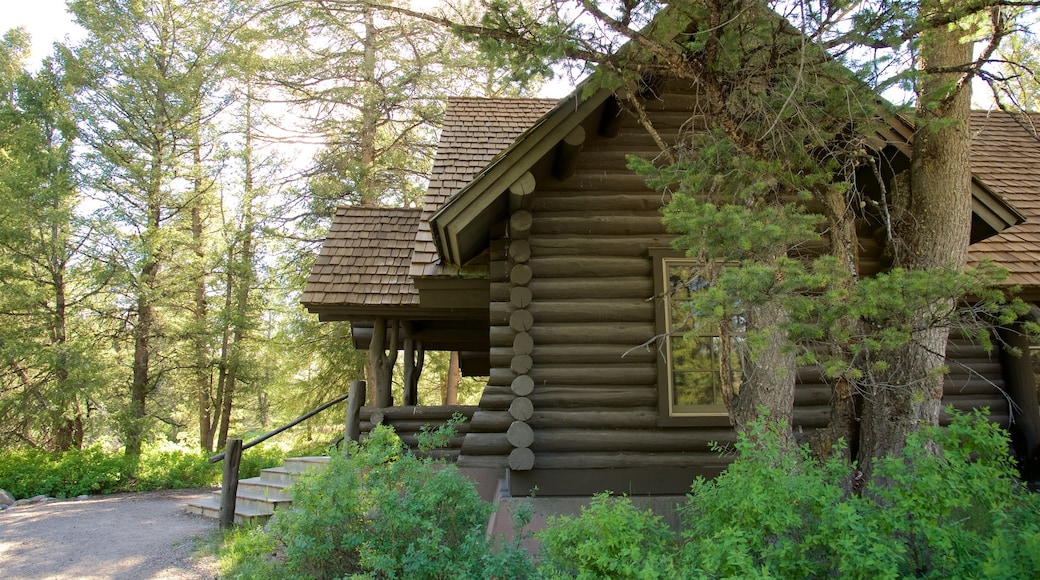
[(46, 20)]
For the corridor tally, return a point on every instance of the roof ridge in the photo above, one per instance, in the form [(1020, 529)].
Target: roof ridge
[(375, 208)]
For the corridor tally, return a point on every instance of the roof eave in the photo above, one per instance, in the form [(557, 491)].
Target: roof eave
[(459, 227), (992, 209)]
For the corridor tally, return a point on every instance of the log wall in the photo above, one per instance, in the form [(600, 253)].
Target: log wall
[(408, 422), (570, 386)]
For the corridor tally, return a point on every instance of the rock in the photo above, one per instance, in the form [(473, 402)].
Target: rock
[(6, 498), (82, 497), (32, 500)]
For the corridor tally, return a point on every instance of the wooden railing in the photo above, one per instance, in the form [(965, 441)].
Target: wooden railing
[(232, 454)]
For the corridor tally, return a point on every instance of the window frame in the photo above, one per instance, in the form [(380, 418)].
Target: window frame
[(714, 415)]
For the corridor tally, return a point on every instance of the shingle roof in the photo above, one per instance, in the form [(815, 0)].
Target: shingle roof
[(475, 131), (365, 259), (1007, 158)]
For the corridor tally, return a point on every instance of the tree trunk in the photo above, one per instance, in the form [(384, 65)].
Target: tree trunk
[(382, 354), (203, 377), (451, 387), (768, 374), (935, 235)]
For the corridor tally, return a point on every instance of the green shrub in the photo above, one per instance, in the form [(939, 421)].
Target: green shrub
[(610, 539), (958, 514), (775, 514), (383, 512), (28, 473)]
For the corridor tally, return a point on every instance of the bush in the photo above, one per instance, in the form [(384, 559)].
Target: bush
[(28, 473), (383, 512), (773, 514), (610, 539)]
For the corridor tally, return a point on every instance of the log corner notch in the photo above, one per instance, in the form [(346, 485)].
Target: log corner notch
[(567, 154), (520, 192)]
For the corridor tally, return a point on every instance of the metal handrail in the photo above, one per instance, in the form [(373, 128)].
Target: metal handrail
[(289, 425)]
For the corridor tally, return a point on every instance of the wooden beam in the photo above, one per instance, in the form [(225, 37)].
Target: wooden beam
[(567, 154), (520, 192)]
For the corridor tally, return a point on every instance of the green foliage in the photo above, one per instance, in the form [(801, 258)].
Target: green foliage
[(958, 513), (379, 511), (610, 539), (440, 436), (30, 472)]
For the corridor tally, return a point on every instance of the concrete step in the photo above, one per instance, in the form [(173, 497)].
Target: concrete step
[(244, 516), (303, 464), (259, 497)]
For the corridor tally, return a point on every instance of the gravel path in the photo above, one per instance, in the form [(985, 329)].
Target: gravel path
[(124, 536)]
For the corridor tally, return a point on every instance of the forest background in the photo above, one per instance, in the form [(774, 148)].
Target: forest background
[(167, 175)]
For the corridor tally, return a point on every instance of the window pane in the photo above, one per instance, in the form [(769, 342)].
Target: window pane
[(694, 352), (696, 388)]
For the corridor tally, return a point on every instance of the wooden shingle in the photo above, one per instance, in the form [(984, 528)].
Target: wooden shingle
[(365, 260), (1007, 158)]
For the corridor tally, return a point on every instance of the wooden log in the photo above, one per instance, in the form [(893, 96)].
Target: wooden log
[(568, 151), (972, 385), (522, 386), (605, 245), (521, 459), (404, 426), (641, 287), (523, 344), (604, 375), (520, 275), (620, 440), (520, 251), (521, 321), (546, 397), (606, 310), (520, 434), (352, 430), (429, 413), (597, 268), (576, 418), (633, 223), (521, 364), (594, 198), (589, 354), (483, 461), (487, 444), (521, 409), (519, 297), (411, 440), (520, 224), (229, 482), (520, 192), (812, 417), (377, 418), (606, 460), (629, 334), (812, 394)]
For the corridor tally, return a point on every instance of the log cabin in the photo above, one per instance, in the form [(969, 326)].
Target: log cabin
[(542, 260)]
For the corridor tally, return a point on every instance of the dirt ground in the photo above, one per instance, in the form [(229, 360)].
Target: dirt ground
[(123, 536)]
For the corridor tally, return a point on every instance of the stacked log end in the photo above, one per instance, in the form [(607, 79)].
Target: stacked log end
[(520, 435)]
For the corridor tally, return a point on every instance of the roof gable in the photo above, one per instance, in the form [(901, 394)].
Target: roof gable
[(475, 131)]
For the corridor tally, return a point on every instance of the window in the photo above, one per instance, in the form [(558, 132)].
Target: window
[(691, 359)]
